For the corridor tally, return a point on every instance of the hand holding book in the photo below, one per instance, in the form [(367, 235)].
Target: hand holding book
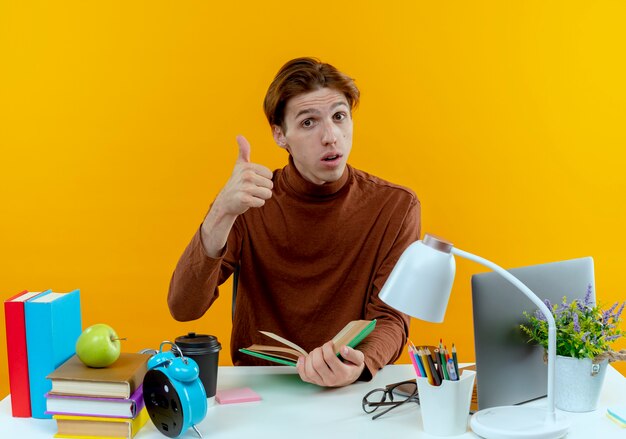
[(351, 335)]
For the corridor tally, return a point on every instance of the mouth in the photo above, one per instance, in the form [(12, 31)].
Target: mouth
[(331, 157)]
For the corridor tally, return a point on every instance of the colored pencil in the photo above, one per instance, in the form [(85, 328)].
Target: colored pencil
[(443, 374), (427, 367), (444, 362), (431, 365), (420, 365), (412, 356)]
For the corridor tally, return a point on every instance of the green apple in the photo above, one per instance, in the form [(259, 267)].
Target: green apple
[(98, 346)]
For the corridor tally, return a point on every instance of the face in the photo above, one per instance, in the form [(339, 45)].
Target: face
[(318, 134)]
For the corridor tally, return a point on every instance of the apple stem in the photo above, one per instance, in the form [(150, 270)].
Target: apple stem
[(118, 338)]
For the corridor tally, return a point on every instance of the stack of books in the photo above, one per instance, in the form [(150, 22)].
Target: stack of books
[(98, 402)]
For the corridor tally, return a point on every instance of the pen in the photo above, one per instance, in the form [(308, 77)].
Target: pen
[(451, 371)]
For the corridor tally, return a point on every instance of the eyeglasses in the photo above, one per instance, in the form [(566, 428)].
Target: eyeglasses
[(392, 396)]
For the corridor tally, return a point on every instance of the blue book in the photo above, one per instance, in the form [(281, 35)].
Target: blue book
[(53, 324)]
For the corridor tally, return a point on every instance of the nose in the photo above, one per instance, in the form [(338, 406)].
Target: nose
[(329, 134)]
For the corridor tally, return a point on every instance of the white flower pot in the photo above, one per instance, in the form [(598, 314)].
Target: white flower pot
[(578, 383)]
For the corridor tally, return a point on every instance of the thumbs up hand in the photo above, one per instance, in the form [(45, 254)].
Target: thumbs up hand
[(244, 149), (250, 184)]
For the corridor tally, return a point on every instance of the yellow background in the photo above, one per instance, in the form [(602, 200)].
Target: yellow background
[(118, 122)]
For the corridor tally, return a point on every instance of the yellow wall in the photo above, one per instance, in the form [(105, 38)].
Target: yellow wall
[(118, 122)]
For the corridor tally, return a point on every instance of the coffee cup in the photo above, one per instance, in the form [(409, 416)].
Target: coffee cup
[(204, 350)]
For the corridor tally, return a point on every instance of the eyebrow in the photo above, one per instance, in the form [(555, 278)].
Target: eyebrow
[(315, 111)]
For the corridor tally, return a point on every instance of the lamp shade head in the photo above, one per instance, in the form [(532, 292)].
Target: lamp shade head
[(420, 283)]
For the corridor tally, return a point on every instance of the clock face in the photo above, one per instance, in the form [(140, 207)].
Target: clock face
[(163, 403)]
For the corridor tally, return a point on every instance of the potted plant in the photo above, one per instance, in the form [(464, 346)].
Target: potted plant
[(585, 334)]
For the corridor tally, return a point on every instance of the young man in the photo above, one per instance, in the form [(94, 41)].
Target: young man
[(314, 241)]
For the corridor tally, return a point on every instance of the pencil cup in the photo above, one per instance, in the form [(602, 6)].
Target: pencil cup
[(445, 408)]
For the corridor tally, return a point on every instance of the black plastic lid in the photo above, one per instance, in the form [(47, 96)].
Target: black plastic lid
[(197, 344)]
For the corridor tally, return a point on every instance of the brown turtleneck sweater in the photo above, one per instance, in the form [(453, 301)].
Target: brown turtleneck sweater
[(313, 258)]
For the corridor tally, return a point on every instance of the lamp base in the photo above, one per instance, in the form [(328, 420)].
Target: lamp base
[(518, 422)]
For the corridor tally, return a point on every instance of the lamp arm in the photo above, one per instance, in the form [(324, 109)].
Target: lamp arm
[(544, 309)]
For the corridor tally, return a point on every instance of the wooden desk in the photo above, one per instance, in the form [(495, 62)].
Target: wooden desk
[(293, 409)]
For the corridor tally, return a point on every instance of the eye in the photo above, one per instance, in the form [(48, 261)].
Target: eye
[(340, 116), (307, 123)]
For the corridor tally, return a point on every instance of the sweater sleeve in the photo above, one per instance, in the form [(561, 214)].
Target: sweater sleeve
[(384, 345), (194, 283)]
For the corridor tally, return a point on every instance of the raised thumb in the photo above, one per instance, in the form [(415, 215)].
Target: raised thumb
[(244, 149)]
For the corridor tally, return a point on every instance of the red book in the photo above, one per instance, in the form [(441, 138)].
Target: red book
[(16, 353)]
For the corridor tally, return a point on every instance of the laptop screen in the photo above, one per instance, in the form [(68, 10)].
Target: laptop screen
[(508, 369)]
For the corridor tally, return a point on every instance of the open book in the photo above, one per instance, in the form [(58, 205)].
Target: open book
[(351, 335)]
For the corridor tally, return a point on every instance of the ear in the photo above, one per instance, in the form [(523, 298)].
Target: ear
[(279, 136)]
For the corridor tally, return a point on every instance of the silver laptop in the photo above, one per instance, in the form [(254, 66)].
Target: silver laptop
[(508, 369)]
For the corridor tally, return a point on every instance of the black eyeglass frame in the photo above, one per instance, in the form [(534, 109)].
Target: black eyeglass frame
[(387, 398)]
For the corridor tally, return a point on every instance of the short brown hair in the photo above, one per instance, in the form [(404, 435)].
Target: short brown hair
[(303, 75)]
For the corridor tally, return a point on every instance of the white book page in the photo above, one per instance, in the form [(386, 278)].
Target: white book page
[(285, 342), (25, 297), (48, 297)]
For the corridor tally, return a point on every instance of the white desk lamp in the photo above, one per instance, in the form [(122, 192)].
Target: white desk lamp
[(420, 286)]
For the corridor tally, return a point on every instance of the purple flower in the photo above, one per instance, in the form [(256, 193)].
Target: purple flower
[(576, 324), (585, 335), (607, 314), (582, 306), (612, 337), (539, 315), (619, 313), (587, 300)]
